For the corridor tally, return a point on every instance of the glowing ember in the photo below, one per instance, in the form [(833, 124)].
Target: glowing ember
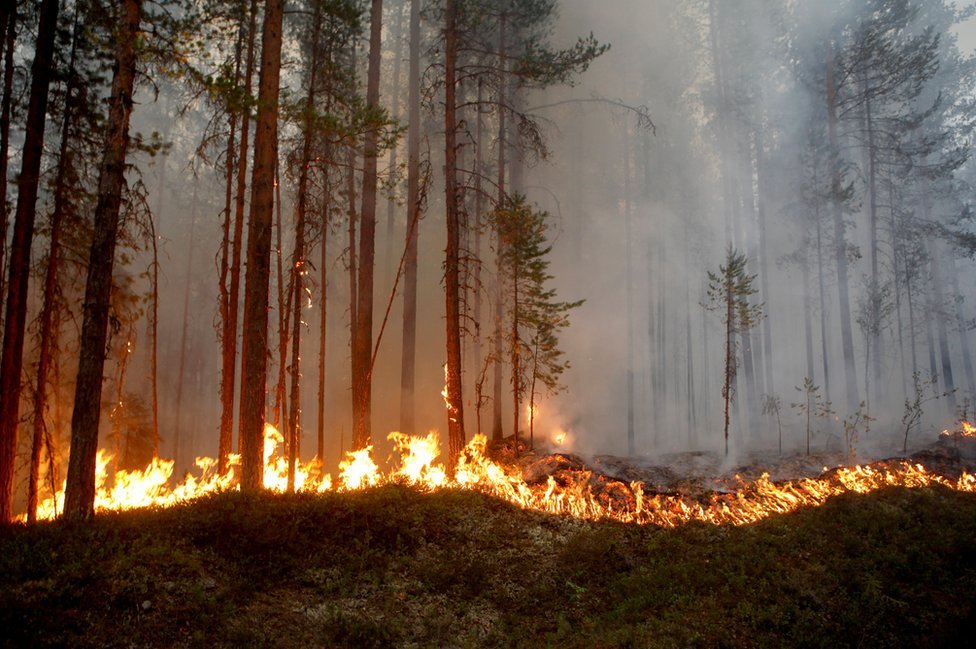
[(752, 502)]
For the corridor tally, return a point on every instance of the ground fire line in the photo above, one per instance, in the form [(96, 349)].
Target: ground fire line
[(627, 502)]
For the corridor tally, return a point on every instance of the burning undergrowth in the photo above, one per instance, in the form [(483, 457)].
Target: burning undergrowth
[(688, 488)]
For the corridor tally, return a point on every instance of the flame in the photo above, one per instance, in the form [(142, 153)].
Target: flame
[(968, 430), (579, 494)]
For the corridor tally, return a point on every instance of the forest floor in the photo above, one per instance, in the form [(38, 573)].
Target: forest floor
[(391, 567)]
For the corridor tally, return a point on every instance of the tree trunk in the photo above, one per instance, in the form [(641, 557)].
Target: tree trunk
[(49, 331), (227, 407), (397, 36), (284, 317), (840, 240), (257, 278), (496, 410), (228, 334), (363, 343), (455, 403), (629, 298), (967, 359), (298, 262), (9, 33), (323, 322), (874, 344), (80, 487), (181, 365), (409, 346), (16, 313)]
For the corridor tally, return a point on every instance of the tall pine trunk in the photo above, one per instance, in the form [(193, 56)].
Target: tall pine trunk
[(233, 305), (455, 404), (257, 278), (16, 312), (228, 335), (496, 410), (363, 343), (409, 346), (840, 239), (80, 487), (298, 262), (9, 33)]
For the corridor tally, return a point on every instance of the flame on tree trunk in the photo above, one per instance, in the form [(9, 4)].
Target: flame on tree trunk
[(257, 277)]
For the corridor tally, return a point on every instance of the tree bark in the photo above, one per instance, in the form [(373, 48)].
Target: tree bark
[(409, 346), (298, 262), (233, 308), (363, 344), (455, 403), (9, 32), (840, 240), (80, 487), (16, 313), (257, 277), (496, 402)]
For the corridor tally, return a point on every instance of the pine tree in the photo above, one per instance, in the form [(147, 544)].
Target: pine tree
[(728, 294)]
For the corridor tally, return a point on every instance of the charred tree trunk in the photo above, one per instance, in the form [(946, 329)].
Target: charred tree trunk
[(80, 487), (409, 347), (363, 343), (455, 403), (257, 278)]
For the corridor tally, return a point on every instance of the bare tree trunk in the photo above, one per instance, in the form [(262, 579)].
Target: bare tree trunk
[(397, 36), (629, 298), (16, 314), (479, 207), (455, 403), (496, 410), (80, 488), (181, 364), (409, 346), (48, 331), (227, 405), (228, 335), (363, 342), (967, 359), (284, 317), (298, 262), (9, 31), (840, 240), (257, 278), (324, 284), (153, 340)]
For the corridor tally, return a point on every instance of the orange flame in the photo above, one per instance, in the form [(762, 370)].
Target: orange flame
[(753, 501)]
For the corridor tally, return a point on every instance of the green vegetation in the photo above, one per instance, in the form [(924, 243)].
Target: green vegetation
[(392, 567)]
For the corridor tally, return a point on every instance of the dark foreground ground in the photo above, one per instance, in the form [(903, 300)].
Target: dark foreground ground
[(393, 568)]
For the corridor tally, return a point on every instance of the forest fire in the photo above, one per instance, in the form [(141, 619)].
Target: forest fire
[(584, 495)]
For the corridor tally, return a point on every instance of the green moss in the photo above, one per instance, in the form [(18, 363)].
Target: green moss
[(392, 567)]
